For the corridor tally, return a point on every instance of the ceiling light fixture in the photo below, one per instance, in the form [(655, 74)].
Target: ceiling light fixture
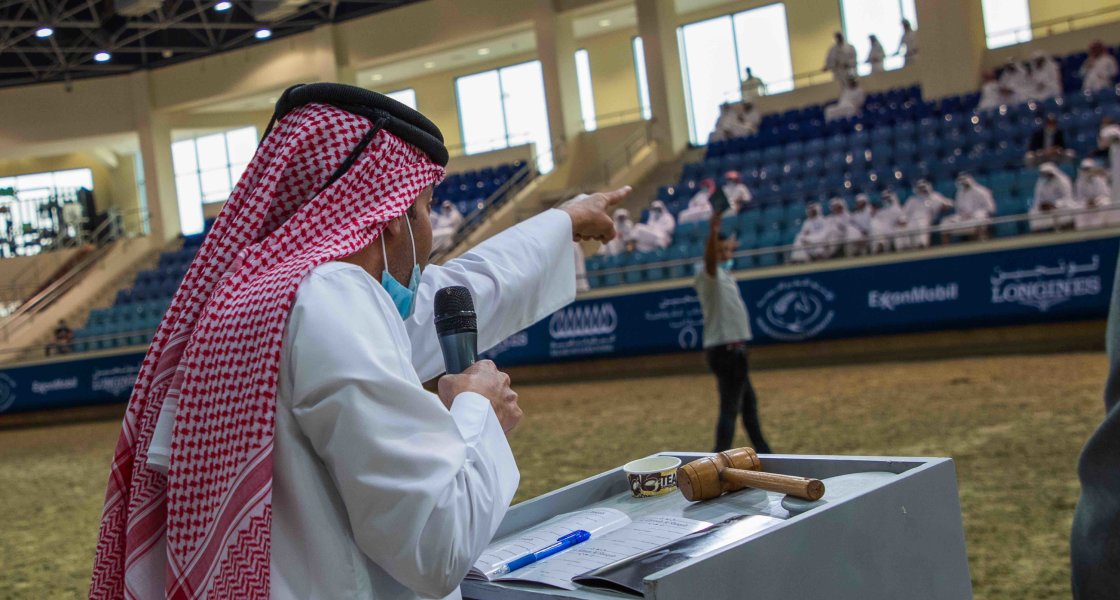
[(376, 77), (223, 6), (604, 22), (263, 34), (44, 32), (102, 57), (429, 64), (483, 51)]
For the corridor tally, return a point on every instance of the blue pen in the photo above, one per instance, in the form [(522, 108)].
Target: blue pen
[(562, 543)]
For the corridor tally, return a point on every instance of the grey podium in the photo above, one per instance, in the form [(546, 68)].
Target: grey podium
[(887, 527)]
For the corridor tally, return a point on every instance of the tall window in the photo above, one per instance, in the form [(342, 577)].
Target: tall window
[(1007, 22), (586, 92), (883, 18), (406, 97), (27, 208), (715, 54), (36, 186), (640, 73), (505, 107), (206, 170)]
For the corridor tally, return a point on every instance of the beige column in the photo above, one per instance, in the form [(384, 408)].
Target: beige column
[(155, 151), (657, 26), (556, 47), (331, 56), (952, 46)]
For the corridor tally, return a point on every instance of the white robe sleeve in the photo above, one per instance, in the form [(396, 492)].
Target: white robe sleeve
[(517, 277), (424, 488)]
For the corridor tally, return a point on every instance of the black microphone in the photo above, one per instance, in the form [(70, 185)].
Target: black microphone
[(457, 328)]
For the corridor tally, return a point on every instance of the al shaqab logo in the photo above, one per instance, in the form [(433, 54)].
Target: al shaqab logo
[(796, 310), (583, 321)]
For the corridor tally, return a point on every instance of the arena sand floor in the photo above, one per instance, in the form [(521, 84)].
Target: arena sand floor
[(1014, 425)]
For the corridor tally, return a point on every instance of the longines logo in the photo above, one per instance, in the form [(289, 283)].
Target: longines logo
[(796, 310), (7, 392), (583, 321), (1045, 287)]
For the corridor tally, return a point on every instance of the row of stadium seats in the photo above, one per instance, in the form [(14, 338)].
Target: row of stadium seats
[(467, 191)]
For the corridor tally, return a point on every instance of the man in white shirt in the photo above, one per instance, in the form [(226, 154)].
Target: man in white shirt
[(1099, 71), (921, 211), (752, 87), (282, 397), (972, 211), (1053, 195), (727, 330), (840, 60)]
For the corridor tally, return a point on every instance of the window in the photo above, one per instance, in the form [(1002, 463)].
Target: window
[(505, 107), (756, 38), (33, 203), (34, 186), (640, 73), (883, 18), (1007, 22), (406, 97), (586, 92), (206, 170)]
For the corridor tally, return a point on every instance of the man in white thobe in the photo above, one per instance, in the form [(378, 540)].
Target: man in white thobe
[(972, 211), (738, 194), (815, 241), (848, 237), (445, 224), (888, 224), (850, 103), (382, 489), (1099, 70), (1053, 199), (752, 87), (1045, 79), (922, 210), (1108, 139), (1092, 191), (994, 94), (622, 228), (700, 205), (840, 60), (1014, 76), (657, 231), (862, 215), (876, 55), (909, 42)]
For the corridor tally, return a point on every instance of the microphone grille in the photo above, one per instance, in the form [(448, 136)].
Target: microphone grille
[(454, 310)]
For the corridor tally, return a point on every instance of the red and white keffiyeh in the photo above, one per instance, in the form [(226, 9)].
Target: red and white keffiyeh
[(202, 531)]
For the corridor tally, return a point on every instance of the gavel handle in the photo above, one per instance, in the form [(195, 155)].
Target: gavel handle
[(800, 487)]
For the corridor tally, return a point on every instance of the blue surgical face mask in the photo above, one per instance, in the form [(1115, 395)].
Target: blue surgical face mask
[(402, 296), (727, 265)]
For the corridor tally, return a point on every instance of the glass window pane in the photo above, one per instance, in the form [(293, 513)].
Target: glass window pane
[(211, 152), (586, 93), (74, 178), (480, 112), (406, 97), (34, 182), (242, 144), (711, 72), (640, 72), (526, 110), (183, 159), (762, 41), (190, 204), (1007, 22), (215, 184), (880, 17)]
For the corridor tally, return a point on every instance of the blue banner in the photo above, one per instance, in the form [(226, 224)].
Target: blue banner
[(1059, 282)]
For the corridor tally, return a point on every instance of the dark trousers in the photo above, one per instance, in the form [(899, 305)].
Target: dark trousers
[(730, 363)]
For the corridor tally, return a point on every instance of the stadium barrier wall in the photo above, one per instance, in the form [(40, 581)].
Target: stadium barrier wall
[(1038, 284)]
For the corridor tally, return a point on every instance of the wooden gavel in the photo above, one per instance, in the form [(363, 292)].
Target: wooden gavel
[(736, 469)]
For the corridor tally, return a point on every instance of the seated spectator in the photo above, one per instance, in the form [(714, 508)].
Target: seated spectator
[(972, 211), (850, 103), (737, 192), (736, 120), (847, 236), (921, 211), (1045, 78), (1092, 191), (63, 336), (700, 205), (1053, 194), (876, 54), (994, 94), (1107, 137), (1099, 70), (1014, 76), (887, 224), (815, 240), (623, 226), (1048, 144), (752, 87), (861, 219), (445, 224), (657, 231)]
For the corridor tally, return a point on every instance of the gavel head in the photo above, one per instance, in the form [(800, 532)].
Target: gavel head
[(700, 479)]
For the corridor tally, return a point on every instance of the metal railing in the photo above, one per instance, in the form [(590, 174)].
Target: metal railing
[(783, 251), (621, 157)]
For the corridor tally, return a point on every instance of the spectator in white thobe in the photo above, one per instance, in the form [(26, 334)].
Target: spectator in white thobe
[(994, 94), (657, 231), (922, 210), (862, 215), (1092, 191), (752, 87), (1015, 77), (736, 119), (1053, 195), (1108, 139), (888, 225), (815, 241), (847, 236), (972, 211), (444, 225), (1045, 79), (1099, 70), (737, 192), (700, 205), (622, 227), (840, 60), (909, 41), (876, 54), (850, 103)]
